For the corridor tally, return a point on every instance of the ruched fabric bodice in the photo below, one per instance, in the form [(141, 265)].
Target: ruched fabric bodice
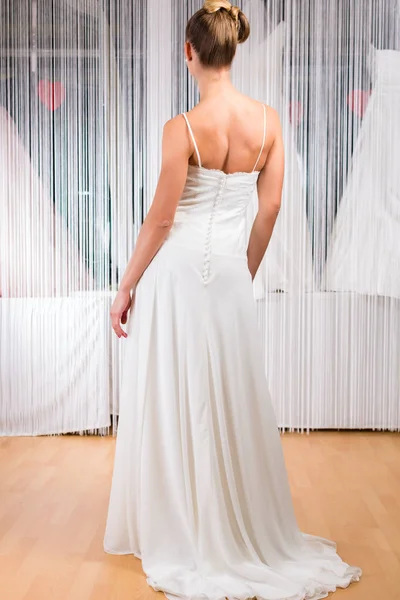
[(211, 214)]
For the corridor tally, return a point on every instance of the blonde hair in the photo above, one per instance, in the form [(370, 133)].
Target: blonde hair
[(215, 31)]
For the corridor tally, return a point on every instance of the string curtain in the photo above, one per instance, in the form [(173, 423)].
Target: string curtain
[(85, 89)]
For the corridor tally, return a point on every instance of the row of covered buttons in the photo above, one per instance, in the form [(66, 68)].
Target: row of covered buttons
[(207, 248)]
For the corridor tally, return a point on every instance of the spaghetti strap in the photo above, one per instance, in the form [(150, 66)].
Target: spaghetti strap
[(264, 136), (194, 141)]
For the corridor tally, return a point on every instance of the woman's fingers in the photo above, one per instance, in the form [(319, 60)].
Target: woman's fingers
[(119, 331), (115, 323), (119, 313)]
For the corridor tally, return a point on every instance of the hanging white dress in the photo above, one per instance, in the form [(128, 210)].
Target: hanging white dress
[(37, 255), (364, 255), (287, 265), (199, 490)]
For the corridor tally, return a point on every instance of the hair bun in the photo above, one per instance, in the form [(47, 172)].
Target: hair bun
[(234, 12), (242, 24), (212, 6)]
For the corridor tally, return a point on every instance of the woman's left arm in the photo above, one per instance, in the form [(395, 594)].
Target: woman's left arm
[(176, 150)]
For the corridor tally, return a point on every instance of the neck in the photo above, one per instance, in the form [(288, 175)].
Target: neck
[(214, 82)]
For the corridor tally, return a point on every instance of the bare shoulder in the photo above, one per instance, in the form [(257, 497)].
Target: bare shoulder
[(273, 121), (174, 126), (274, 129), (174, 138), (273, 114)]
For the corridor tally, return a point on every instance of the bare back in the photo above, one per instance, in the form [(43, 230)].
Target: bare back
[(231, 133)]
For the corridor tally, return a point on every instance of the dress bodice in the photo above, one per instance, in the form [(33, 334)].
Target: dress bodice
[(211, 214)]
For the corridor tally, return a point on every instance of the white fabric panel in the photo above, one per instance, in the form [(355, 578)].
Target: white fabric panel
[(332, 360), (54, 365)]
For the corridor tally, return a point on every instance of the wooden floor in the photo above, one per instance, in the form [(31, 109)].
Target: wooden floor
[(54, 495)]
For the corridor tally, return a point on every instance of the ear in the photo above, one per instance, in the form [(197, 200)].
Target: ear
[(188, 51)]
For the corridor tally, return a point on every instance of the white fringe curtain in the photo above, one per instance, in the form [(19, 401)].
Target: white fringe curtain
[(85, 88)]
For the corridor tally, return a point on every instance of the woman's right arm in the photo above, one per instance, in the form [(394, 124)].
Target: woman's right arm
[(269, 187)]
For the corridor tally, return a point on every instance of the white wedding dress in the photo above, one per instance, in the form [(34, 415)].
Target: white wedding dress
[(199, 490), (364, 255), (38, 256)]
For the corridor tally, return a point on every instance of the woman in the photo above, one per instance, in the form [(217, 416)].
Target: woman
[(200, 491)]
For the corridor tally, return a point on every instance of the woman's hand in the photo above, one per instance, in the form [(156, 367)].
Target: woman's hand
[(119, 312)]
